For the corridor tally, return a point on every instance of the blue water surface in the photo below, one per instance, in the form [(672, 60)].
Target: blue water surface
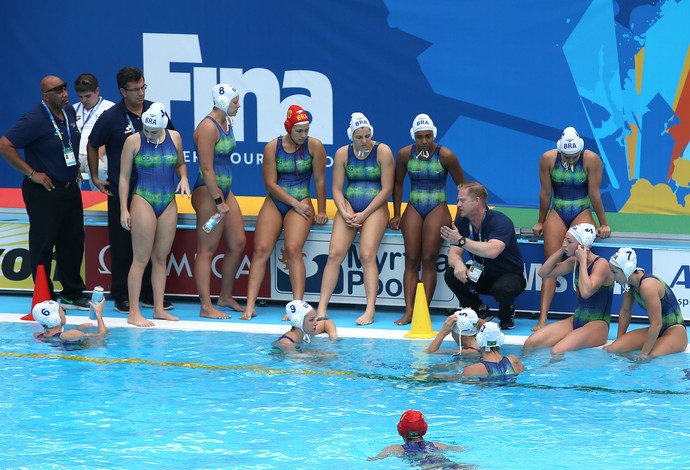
[(190, 399)]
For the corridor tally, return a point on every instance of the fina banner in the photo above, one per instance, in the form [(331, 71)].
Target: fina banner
[(500, 79)]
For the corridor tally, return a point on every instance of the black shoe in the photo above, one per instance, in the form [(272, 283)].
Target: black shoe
[(80, 303), (122, 306), (485, 314), (148, 303), (507, 324)]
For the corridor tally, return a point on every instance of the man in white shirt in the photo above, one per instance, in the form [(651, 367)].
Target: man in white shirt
[(90, 106)]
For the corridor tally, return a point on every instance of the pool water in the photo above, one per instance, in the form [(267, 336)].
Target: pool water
[(191, 399)]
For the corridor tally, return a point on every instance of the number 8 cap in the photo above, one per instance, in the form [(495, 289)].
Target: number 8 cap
[(223, 94)]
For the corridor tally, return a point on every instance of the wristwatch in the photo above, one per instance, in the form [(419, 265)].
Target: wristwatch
[(218, 200), (462, 241)]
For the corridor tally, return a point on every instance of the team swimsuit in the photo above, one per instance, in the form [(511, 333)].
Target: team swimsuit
[(425, 454), (155, 168), (221, 159), (294, 173), (501, 371), (670, 309), (427, 181), (363, 178), (570, 190), (596, 307)]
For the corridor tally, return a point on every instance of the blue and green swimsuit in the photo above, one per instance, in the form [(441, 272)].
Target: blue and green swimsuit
[(570, 190), (427, 181), (222, 152), (155, 169), (363, 178), (294, 173)]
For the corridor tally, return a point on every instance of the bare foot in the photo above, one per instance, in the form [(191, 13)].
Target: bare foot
[(163, 315), (213, 313), (404, 320), (365, 319), (248, 315), (137, 319), (229, 303), (538, 326)]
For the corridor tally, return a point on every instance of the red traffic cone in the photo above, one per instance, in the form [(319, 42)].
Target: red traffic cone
[(41, 291)]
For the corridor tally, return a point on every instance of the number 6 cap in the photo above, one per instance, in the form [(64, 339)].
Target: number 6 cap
[(47, 313), (223, 94)]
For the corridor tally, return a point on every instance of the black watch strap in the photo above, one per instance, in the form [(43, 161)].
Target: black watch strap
[(462, 241), (218, 200)]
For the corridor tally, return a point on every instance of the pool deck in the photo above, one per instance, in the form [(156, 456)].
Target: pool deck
[(269, 320)]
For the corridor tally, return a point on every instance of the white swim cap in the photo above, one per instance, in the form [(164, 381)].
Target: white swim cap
[(422, 122), (296, 311), (223, 94), (570, 142), (584, 234), (626, 260), (467, 322), (356, 121), (155, 116), (490, 336), (47, 313)]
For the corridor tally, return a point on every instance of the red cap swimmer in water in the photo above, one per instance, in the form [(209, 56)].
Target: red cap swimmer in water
[(412, 425)]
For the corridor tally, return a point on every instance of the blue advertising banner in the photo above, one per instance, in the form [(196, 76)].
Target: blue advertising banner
[(500, 79)]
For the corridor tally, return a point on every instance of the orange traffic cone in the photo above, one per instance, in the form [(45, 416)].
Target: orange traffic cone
[(41, 291), (421, 319)]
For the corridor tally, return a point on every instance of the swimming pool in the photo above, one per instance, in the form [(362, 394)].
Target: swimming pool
[(192, 399)]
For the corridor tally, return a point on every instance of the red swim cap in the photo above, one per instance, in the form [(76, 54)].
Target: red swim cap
[(412, 424), (296, 115)]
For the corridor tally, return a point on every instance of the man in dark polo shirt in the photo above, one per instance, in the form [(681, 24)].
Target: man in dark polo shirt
[(50, 139), (494, 265), (111, 130)]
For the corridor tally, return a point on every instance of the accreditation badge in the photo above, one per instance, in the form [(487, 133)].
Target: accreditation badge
[(70, 160), (474, 270)]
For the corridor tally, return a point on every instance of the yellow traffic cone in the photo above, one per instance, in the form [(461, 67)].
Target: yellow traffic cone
[(421, 320)]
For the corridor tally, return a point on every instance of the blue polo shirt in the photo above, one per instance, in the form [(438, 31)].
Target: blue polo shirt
[(112, 129), (43, 150), (496, 226)]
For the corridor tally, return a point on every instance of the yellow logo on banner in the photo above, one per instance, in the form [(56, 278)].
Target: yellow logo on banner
[(15, 261)]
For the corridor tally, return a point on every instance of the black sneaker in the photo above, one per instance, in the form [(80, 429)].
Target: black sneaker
[(80, 303), (485, 314), (507, 324), (148, 303), (122, 306)]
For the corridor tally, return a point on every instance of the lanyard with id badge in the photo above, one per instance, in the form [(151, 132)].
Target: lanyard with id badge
[(68, 153), (474, 268)]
